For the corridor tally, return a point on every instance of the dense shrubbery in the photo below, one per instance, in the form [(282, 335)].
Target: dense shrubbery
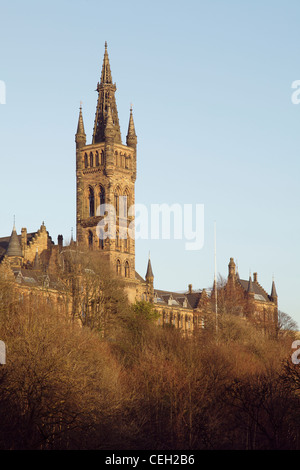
[(66, 385)]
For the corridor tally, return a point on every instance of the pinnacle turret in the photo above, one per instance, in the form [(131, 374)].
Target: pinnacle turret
[(250, 286), (109, 127), (80, 137), (149, 273), (131, 139), (274, 292), (231, 269)]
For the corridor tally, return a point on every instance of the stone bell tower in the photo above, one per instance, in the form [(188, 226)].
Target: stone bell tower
[(105, 175)]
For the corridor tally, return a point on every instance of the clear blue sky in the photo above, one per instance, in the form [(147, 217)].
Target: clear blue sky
[(210, 82)]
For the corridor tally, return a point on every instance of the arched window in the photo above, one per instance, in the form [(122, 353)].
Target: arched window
[(125, 244), (91, 239), (102, 157), (86, 162), (91, 160), (91, 202), (117, 240), (126, 269), (97, 159), (118, 267)]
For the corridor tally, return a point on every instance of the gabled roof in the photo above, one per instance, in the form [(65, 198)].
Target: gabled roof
[(259, 292), (186, 300)]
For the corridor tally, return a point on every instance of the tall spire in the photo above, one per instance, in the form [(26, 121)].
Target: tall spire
[(106, 96), (131, 139)]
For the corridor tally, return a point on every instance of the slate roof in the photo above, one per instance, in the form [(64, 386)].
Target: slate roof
[(36, 278)]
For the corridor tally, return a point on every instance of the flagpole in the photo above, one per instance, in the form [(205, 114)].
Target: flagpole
[(216, 289)]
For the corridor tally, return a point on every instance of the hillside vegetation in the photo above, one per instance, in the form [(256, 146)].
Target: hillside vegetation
[(110, 378)]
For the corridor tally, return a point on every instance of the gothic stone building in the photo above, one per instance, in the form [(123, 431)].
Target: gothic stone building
[(105, 177)]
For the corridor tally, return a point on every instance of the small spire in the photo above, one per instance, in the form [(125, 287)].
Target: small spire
[(131, 139), (149, 273), (80, 126), (273, 292), (250, 286), (80, 137)]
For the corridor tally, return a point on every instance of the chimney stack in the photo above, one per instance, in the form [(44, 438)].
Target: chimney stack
[(60, 242)]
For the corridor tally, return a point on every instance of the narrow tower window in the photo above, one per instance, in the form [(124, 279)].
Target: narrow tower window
[(102, 195), (91, 160), (117, 203), (91, 203), (90, 239), (126, 269), (118, 267)]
